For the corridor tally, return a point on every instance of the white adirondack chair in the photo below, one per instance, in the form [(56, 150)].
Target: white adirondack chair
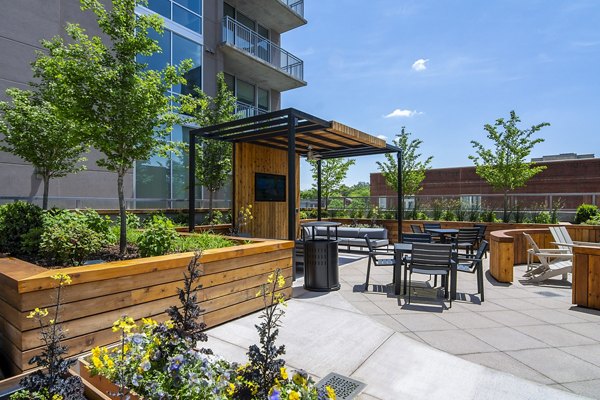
[(552, 262), (563, 240)]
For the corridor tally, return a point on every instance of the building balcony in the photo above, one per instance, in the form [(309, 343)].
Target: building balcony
[(244, 110), (279, 15), (252, 57)]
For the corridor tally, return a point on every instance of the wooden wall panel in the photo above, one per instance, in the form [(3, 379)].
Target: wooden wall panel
[(270, 218), (100, 294)]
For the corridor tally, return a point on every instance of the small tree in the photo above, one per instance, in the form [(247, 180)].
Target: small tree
[(121, 103), (333, 173), (34, 130), (213, 163), (503, 166), (412, 167)]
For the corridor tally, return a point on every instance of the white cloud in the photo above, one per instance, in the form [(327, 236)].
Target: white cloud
[(399, 113), (419, 65), (382, 137)]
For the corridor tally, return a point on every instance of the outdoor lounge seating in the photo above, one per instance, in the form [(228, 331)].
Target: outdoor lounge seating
[(553, 262), (375, 260), (563, 240), (355, 237)]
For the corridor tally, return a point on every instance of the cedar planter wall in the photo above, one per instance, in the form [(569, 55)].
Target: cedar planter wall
[(145, 287), (509, 247), (586, 276)]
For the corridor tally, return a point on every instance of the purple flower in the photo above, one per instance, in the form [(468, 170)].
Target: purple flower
[(275, 394), (176, 362)]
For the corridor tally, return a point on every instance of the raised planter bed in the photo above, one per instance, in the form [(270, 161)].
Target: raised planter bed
[(144, 287), (586, 276)]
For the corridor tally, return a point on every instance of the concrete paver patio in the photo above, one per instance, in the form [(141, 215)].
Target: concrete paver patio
[(522, 342)]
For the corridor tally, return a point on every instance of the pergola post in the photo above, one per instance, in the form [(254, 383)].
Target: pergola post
[(192, 185), (292, 121), (400, 196), (319, 190)]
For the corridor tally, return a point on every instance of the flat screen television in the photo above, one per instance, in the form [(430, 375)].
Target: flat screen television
[(269, 187)]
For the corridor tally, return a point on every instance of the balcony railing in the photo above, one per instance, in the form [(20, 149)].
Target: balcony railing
[(242, 38), (245, 110), (297, 6)]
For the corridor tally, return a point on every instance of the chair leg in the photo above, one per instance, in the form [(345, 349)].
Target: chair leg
[(409, 285), (434, 280), (405, 274), (448, 294), (368, 273), (480, 281)]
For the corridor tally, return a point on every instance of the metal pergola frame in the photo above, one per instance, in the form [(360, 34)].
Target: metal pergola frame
[(296, 132)]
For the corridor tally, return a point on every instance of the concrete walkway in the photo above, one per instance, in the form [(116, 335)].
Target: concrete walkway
[(374, 338)]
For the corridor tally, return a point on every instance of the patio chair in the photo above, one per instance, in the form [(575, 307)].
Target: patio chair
[(481, 236), (553, 262), (376, 261), (433, 225), (474, 264), (563, 240), (416, 238), (416, 228), (431, 259), (466, 239)]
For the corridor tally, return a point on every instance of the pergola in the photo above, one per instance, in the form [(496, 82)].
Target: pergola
[(295, 132)]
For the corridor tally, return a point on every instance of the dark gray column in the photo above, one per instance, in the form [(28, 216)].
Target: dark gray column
[(400, 196), (192, 184), (292, 121), (319, 190)]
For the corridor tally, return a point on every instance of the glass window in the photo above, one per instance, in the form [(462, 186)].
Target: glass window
[(230, 81), (179, 162), (228, 11), (263, 99), (262, 31), (163, 7), (159, 60), (245, 92), (186, 49), (247, 22), (192, 5), (152, 179), (186, 18)]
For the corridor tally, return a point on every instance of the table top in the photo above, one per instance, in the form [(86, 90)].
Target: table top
[(321, 223), (442, 230)]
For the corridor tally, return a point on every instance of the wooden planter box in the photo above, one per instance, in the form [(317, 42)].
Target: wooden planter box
[(144, 287), (586, 276)]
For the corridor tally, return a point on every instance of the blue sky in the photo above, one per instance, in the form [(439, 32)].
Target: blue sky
[(449, 67)]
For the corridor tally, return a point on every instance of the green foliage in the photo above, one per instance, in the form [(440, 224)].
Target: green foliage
[(488, 215), (594, 220), (131, 220), (16, 220), (35, 130), (67, 239), (556, 205), (448, 215), (218, 218), (421, 216), (585, 212), (308, 194), (159, 237), (201, 241), (213, 157), (333, 173), (504, 166), (542, 218), (411, 165), (99, 224), (117, 101)]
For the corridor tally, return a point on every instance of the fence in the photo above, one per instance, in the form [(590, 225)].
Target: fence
[(112, 203)]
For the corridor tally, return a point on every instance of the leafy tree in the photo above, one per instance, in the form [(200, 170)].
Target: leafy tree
[(333, 172), (35, 130), (213, 157), (503, 166), (412, 167), (308, 194), (120, 103)]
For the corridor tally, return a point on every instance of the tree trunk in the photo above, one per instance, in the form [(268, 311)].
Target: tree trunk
[(122, 215), (505, 214), (46, 189), (210, 206)]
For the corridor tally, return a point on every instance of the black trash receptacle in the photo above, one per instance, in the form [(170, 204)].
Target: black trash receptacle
[(321, 272)]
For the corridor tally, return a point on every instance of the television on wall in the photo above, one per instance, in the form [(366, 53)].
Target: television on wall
[(269, 187)]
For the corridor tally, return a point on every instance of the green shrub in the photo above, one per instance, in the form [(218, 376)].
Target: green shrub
[(131, 220), (585, 212), (158, 238), (489, 216), (182, 218), (542, 218), (67, 239), (201, 241), (99, 224), (16, 219), (595, 220), (448, 216)]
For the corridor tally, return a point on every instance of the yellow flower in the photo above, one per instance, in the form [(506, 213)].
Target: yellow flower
[(57, 397), (96, 351), (283, 373), (330, 392), (108, 361), (258, 294), (299, 379), (169, 324), (149, 322), (231, 389), (294, 395), (249, 205), (38, 313), (280, 281), (97, 362), (63, 279), (270, 278), (126, 324)]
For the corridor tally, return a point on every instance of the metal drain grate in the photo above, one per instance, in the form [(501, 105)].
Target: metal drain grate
[(345, 388)]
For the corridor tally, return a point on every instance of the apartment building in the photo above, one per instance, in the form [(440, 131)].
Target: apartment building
[(241, 38)]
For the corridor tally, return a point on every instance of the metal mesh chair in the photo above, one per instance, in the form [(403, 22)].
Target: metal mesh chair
[(431, 259), (376, 261)]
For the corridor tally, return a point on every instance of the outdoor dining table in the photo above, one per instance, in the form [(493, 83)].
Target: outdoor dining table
[(443, 233), (406, 248)]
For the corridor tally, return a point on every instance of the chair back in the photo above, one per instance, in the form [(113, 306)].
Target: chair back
[(416, 228), (532, 243), (416, 238), (482, 229), (369, 246), (431, 256), (432, 225), (483, 246), (561, 235), (467, 235)]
